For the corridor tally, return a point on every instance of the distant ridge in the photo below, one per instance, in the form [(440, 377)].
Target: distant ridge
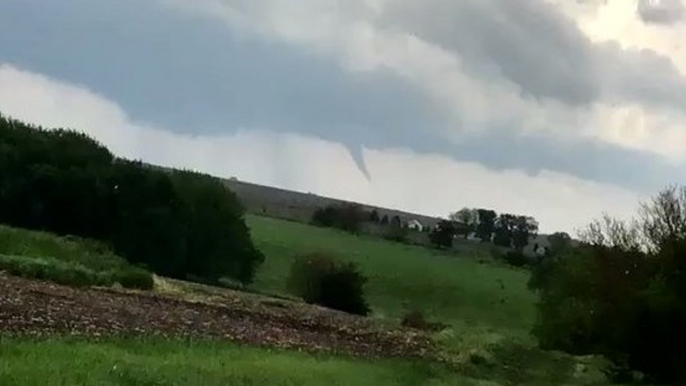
[(298, 206)]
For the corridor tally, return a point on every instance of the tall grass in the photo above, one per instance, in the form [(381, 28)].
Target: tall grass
[(66, 260), (88, 253)]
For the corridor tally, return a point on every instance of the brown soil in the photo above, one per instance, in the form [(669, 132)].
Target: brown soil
[(37, 308)]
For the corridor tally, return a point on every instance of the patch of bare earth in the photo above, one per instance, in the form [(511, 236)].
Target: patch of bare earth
[(38, 308)]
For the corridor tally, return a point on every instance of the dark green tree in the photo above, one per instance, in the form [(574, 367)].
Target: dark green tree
[(622, 292), (504, 229), (486, 224), (525, 228), (174, 223), (559, 242), (384, 220), (443, 234), (374, 216)]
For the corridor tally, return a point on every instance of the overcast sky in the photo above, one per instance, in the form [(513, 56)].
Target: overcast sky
[(560, 109)]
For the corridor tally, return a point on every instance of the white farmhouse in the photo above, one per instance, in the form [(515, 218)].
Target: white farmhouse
[(415, 225)]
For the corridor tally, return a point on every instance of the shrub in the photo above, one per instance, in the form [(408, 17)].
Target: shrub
[(132, 277), (321, 279), (515, 258), (397, 234), (415, 319)]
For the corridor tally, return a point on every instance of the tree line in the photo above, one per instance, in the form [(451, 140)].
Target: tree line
[(176, 223), (505, 230), (621, 292)]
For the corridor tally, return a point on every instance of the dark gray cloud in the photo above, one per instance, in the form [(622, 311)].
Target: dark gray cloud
[(526, 41), (193, 75), (534, 45), (661, 11)]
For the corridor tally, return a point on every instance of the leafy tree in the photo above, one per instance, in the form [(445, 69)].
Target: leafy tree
[(514, 231), (213, 230), (504, 229), (374, 216), (523, 230), (351, 217), (622, 292), (462, 229), (396, 231), (384, 220), (347, 217), (559, 242), (325, 217), (443, 234), (486, 224), (396, 222), (468, 220), (175, 223)]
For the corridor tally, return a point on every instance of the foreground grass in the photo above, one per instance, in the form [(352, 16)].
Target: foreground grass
[(68, 361), (459, 290)]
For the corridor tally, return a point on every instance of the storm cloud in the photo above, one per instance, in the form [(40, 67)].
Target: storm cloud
[(506, 84)]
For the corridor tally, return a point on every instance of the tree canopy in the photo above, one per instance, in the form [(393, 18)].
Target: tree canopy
[(622, 292), (175, 223)]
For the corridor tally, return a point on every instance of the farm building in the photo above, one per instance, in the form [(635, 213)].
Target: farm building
[(415, 225)]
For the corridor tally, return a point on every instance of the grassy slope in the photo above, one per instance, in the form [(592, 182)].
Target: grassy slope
[(154, 362), (455, 290), (451, 289), (88, 253), (488, 306)]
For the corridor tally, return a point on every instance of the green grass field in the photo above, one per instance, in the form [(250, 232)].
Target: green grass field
[(452, 289), (487, 305), (165, 363)]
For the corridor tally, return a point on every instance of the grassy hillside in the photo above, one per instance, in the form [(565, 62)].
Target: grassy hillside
[(487, 305), (66, 260), (88, 253), (449, 288)]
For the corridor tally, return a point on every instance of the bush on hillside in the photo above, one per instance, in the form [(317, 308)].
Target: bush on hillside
[(321, 279), (396, 233), (175, 223), (135, 278), (515, 258), (415, 319)]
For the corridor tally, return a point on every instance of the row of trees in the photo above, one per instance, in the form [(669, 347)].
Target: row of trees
[(176, 223), (505, 230), (621, 292), (350, 217)]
